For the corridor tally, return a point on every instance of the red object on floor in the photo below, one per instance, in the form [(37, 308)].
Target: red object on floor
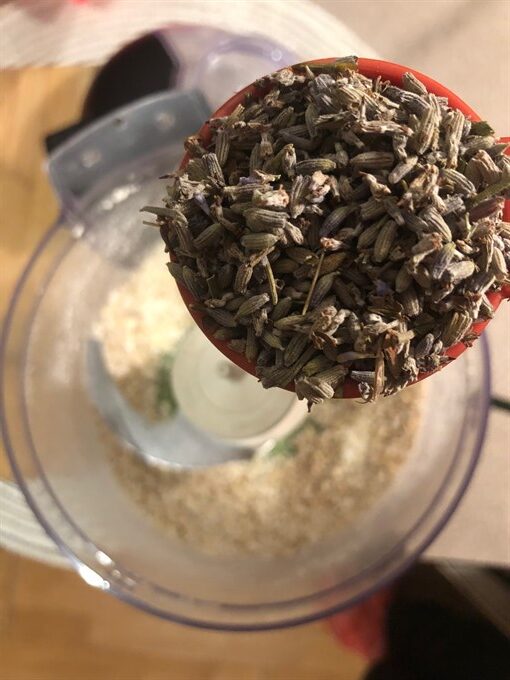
[(362, 628)]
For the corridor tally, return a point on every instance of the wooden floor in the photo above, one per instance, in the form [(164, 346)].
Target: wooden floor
[(52, 625), (55, 627)]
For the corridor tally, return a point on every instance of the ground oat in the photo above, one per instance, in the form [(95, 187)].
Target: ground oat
[(336, 466), (278, 504)]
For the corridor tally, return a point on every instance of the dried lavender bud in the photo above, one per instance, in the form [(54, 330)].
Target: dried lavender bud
[(456, 326), (337, 227), (281, 309), (301, 255), (308, 167), (222, 146), (403, 279), (251, 349), (370, 233), (295, 348), (454, 128), (285, 266), (424, 347), (262, 219), (321, 289), (208, 237), (332, 263), (410, 302), (288, 322), (486, 167), (402, 169), (498, 265), (227, 333), (252, 305), (412, 84), (429, 125), (442, 260), (176, 271), (222, 317), (313, 390), (192, 282), (243, 277), (435, 222), (459, 182), (258, 241), (373, 160), (272, 340), (384, 241)]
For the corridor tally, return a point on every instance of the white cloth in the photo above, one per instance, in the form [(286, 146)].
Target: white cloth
[(21, 533), (41, 32)]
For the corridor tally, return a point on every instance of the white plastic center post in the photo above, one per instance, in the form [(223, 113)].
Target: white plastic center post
[(217, 396)]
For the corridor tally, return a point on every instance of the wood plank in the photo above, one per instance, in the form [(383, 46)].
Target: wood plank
[(59, 627), (33, 102)]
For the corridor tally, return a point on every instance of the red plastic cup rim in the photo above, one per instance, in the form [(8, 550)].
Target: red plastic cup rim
[(371, 68)]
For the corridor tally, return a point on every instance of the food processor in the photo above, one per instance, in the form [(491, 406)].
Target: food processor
[(57, 398)]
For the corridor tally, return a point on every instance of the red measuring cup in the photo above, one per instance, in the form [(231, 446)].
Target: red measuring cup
[(372, 68)]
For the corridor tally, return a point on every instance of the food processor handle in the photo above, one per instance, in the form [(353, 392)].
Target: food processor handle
[(153, 93), (120, 142), (131, 111)]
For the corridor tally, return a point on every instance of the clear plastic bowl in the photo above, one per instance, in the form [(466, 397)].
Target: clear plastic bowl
[(54, 438), (60, 459)]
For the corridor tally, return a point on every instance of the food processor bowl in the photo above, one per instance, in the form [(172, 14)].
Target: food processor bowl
[(56, 445)]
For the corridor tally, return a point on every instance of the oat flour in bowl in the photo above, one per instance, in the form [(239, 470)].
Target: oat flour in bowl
[(337, 464)]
